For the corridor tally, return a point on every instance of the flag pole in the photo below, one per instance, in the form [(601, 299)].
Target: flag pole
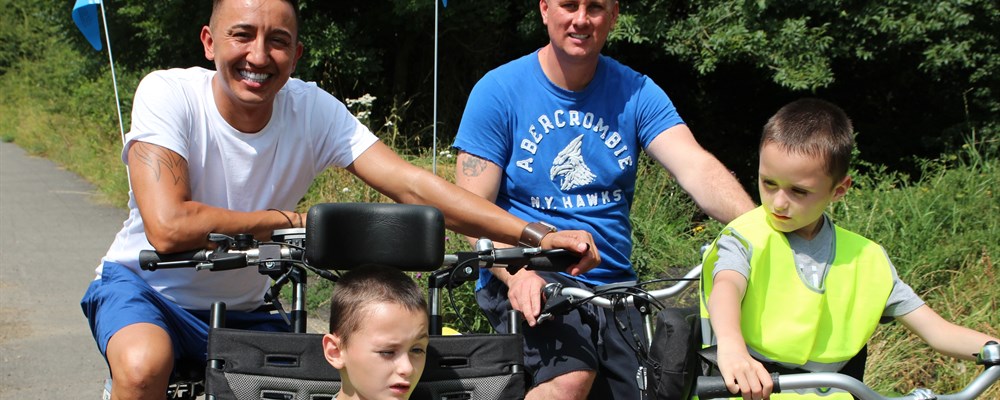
[(434, 123), (118, 103), (114, 79)]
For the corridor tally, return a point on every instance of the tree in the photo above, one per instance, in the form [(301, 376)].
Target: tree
[(916, 76)]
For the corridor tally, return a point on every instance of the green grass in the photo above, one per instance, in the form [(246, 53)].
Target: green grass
[(941, 230), (941, 233)]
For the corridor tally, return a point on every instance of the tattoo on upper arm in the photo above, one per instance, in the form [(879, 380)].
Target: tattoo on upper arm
[(473, 166), (163, 162)]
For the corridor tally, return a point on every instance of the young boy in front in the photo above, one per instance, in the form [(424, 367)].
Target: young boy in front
[(783, 285), (378, 334)]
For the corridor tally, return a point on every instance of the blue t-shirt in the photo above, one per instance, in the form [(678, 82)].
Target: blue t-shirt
[(569, 158)]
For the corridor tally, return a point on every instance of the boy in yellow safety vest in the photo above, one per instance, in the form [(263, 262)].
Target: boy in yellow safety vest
[(784, 286)]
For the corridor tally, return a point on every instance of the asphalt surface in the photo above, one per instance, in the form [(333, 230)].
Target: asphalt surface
[(52, 236)]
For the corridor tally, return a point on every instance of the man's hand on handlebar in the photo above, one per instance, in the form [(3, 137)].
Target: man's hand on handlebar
[(524, 289), (580, 242)]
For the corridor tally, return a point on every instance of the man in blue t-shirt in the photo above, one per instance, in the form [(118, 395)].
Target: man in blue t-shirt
[(554, 137)]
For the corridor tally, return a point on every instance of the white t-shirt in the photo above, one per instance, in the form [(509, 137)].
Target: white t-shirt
[(309, 131)]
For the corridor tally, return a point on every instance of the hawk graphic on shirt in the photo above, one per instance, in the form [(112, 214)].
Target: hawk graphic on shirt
[(570, 166)]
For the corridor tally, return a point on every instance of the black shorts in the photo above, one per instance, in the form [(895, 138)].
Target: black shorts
[(585, 339)]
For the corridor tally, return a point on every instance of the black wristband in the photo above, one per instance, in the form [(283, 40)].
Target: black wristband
[(290, 224)]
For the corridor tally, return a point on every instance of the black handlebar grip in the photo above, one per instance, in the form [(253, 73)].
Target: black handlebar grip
[(150, 260), (714, 387), (556, 260)]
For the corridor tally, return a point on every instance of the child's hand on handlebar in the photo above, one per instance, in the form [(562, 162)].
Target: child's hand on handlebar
[(580, 242), (743, 374)]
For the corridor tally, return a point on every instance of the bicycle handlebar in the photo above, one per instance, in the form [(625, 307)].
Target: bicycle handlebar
[(714, 387), (594, 297), (150, 260), (241, 252), (710, 387), (558, 300), (230, 253), (531, 258), (218, 260)]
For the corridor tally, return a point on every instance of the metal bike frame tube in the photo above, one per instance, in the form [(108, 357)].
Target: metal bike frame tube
[(513, 328), (647, 322), (299, 302), (435, 321)]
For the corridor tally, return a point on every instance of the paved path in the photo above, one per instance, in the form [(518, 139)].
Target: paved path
[(52, 235)]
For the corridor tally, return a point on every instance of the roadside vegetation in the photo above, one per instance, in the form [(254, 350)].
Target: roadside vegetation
[(938, 215)]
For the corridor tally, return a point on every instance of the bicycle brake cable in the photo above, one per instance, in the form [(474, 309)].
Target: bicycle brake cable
[(451, 296)]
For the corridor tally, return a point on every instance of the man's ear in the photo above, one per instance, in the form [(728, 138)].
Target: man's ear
[(543, 6), (333, 350), (614, 14), (841, 189), (299, 49), (208, 43)]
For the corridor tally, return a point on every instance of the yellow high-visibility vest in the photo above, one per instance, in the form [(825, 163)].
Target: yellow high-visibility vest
[(785, 320)]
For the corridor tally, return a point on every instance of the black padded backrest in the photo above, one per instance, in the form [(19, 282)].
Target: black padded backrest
[(269, 365), (343, 236)]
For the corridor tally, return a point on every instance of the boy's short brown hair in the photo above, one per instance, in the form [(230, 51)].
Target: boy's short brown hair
[(360, 288), (815, 128)]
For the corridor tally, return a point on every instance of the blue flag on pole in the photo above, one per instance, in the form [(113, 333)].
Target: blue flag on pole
[(86, 18)]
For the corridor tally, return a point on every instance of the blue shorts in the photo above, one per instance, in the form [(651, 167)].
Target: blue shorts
[(585, 339), (121, 298)]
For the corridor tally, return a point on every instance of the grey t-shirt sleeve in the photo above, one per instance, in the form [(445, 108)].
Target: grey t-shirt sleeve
[(733, 255), (902, 299)]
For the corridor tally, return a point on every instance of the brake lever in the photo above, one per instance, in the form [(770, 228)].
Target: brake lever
[(555, 302)]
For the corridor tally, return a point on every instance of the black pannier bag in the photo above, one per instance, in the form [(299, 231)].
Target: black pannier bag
[(673, 351)]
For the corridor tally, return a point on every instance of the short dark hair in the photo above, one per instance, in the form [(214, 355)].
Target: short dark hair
[(360, 288), (815, 128), (295, 11)]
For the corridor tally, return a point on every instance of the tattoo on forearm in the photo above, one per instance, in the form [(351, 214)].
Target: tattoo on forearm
[(163, 162), (473, 166)]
